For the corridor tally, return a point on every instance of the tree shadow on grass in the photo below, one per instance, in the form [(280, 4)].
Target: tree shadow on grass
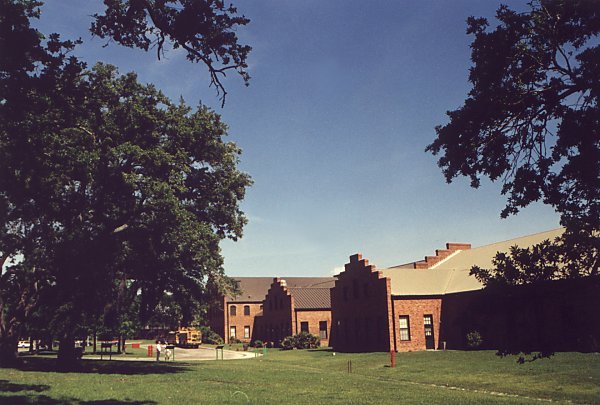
[(103, 367), (46, 400), (7, 386), (31, 398)]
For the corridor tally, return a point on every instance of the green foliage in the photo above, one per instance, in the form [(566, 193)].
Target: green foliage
[(302, 340), (474, 340), (532, 117), (524, 266), (209, 336), (258, 343), (111, 192), (289, 342), (205, 29)]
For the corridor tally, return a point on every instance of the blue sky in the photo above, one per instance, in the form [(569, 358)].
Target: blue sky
[(344, 98)]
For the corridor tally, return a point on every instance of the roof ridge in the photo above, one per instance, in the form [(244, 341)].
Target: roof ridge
[(310, 286), (452, 272), (445, 259), (519, 237)]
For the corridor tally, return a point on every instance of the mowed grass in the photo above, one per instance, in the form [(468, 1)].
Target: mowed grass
[(313, 377)]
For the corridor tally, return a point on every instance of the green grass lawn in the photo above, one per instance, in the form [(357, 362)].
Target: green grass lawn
[(313, 377)]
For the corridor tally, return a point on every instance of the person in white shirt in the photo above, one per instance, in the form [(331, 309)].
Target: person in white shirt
[(158, 350)]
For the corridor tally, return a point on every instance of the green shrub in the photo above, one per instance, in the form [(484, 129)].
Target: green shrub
[(289, 342), (303, 340), (474, 339), (209, 336), (258, 343)]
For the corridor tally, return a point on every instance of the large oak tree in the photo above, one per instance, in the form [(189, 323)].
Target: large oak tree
[(107, 188), (532, 121)]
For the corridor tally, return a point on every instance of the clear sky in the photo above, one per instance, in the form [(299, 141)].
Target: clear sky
[(344, 98)]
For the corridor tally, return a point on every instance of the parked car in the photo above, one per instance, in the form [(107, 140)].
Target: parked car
[(23, 344)]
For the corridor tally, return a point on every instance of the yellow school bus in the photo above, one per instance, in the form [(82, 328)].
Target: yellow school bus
[(185, 337)]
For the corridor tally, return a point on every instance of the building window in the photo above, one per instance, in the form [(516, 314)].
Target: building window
[(404, 328), (233, 310), (303, 326), (246, 310), (261, 307), (323, 329), (246, 332), (232, 332)]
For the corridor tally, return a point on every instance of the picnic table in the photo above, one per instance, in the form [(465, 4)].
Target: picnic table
[(106, 349)]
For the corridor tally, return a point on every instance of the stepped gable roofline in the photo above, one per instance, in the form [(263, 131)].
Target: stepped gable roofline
[(254, 289), (358, 263), (440, 255), (482, 256), (452, 274)]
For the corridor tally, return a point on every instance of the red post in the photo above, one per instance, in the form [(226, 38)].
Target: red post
[(150, 348), (392, 358)]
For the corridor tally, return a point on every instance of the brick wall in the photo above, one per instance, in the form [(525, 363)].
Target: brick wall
[(276, 322), (361, 309), (240, 320), (440, 255), (313, 317), (416, 309), (550, 316)]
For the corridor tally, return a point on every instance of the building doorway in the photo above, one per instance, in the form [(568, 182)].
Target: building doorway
[(429, 338)]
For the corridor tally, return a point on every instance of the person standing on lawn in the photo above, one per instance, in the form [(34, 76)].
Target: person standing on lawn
[(158, 349)]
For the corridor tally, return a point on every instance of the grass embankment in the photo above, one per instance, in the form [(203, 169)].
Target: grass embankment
[(313, 377)]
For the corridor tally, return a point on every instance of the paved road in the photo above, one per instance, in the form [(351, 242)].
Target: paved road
[(200, 354)]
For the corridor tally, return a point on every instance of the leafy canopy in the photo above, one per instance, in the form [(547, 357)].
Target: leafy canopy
[(531, 119), (107, 188), (205, 29)]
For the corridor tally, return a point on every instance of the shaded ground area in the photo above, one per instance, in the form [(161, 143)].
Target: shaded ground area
[(315, 376), (130, 367)]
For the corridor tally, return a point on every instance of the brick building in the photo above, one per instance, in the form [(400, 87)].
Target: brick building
[(291, 310), (427, 304), (414, 306), (236, 316)]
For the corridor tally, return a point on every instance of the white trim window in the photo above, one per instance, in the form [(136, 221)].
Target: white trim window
[(404, 328)]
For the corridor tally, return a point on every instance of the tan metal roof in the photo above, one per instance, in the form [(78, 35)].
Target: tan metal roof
[(254, 289), (452, 274), (311, 298)]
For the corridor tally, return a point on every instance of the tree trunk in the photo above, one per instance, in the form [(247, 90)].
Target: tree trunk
[(66, 351), (8, 351), (123, 343), (95, 342)]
